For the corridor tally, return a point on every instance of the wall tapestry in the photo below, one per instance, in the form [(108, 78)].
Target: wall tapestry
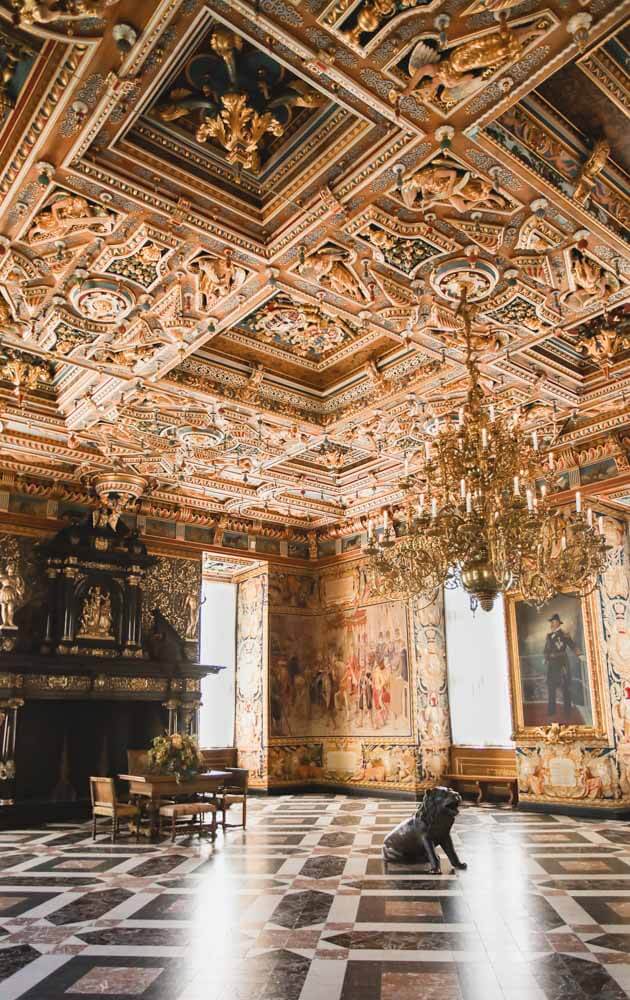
[(250, 677), (345, 672)]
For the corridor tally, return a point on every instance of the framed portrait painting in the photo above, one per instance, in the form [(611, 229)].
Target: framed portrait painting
[(555, 666)]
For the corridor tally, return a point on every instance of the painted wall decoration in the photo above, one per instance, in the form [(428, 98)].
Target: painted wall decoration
[(614, 597), (166, 586), (568, 771), (433, 721), (347, 672), (251, 668)]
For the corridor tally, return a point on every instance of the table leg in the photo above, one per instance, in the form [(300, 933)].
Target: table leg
[(480, 792)]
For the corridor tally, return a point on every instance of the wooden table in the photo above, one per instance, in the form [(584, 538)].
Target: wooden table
[(156, 787)]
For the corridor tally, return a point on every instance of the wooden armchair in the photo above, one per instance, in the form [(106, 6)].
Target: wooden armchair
[(234, 793), (104, 803), (138, 761)]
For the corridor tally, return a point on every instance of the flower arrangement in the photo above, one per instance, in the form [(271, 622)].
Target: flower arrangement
[(175, 754)]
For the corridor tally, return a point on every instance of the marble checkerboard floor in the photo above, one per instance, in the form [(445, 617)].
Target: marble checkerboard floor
[(300, 908)]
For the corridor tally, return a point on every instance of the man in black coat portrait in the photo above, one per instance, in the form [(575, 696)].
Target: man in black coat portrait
[(558, 666)]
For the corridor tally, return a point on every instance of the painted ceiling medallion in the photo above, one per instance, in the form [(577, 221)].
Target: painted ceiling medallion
[(101, 301), (479, 277)]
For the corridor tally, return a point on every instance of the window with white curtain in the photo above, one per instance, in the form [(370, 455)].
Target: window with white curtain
[(478, 677), (218, 647)]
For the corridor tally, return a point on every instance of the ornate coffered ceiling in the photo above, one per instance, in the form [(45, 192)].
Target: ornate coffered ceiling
[(231, 235)]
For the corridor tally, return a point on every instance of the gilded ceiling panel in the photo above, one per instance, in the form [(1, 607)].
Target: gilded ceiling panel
[(232, 237)]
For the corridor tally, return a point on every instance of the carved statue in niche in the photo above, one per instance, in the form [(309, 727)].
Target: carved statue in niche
[(329, 268), (592, 283), (96, 615), (70, 212), (218, 277), (192, 607), (591, 169), (8, 320), (11, 594), (442, 183), (455, 74), (45, 11)]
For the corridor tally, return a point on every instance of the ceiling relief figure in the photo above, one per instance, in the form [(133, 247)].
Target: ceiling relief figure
[(603, 339), (218, 277), (591, 170), (590, 282), (329, 268), (443, 183), (457, 73), (67, 214), (237, 96), (231, 210)]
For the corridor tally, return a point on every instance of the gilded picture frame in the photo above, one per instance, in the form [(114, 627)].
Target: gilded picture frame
[(556, 669)]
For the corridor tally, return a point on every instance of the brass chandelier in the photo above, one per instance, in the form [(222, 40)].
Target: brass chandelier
[(480, 517)]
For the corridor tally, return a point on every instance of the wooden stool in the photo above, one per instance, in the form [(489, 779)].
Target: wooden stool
[(177, 810)]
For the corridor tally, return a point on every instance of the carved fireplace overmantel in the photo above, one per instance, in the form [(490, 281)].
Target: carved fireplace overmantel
[(75, 636)]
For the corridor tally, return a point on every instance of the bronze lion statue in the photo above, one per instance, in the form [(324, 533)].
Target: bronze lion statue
[(414, 840)]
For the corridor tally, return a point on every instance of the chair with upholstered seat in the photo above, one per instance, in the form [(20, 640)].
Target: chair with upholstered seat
[(182, 816), (233, 793), (104, 803)]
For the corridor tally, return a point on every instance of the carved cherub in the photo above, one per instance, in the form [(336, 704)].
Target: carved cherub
[(251, 389), (328, 267), (441, 183), (606, 343), (592, 282), (591, 169), (218, 277), (454, 74), (380, 238)]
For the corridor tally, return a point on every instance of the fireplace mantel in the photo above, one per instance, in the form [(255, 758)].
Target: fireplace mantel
[(87, 677)]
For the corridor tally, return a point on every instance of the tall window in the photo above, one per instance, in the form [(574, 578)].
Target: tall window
[(478, 678), (218, 647)]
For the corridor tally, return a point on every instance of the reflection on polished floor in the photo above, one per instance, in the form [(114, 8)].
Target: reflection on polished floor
[(300, 908)]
